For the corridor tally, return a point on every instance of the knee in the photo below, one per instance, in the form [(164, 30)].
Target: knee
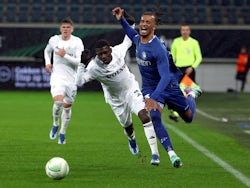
[(188, 116), (58, 104), (188, 120), (67, 112), (144, 116)]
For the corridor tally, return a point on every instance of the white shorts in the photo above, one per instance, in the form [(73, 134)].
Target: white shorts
[(133, 103), (69, 92)]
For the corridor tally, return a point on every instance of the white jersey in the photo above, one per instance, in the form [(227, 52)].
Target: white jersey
[(64, 68), (115, 77), (120, 88)]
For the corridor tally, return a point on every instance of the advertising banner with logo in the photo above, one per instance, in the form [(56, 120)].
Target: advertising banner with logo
[(23, 76), (19, 42)]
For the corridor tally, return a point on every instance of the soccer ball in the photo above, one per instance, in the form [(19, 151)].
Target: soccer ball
[(57, 168)]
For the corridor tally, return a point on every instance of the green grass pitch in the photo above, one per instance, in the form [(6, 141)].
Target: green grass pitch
[(97, 150)]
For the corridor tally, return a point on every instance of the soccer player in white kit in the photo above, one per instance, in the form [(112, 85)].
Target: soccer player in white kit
[(67, 50), (121, 91)]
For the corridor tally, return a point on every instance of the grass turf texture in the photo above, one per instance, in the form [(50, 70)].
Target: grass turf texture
[(97, 150)]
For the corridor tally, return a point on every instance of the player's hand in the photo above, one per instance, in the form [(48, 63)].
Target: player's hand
[(61, 52), (151, 104), (118, 12), (85, 57), (48, 68)]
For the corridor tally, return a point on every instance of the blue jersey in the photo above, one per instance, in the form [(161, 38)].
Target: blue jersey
[(155, 64)]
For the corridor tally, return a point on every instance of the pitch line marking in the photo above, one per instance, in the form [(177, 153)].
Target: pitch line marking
[(210, 116), (237, 174)]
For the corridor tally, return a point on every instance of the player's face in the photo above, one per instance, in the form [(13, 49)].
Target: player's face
[(104, 54), (147, 25), (185, 31), (66, 29)]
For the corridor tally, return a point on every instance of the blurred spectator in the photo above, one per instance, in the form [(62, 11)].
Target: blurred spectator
[(242, 68)]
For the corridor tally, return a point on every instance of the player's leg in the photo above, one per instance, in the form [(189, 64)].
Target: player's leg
[(162, 135), (136, 102), (56, 114), (70, 94), (174, 115), (186, 81), (150, 135), (124, 116), (188, 86), (185, 106), (183, 96), (57, 94), (191, 95), (66, 116), (130, 133)]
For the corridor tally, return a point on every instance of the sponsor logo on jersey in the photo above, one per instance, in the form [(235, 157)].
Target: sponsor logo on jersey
[(144, 55), (142, 62), (137, 92), (117, 72)]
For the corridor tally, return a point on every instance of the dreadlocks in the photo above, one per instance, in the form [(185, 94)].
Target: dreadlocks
[(156, 14)]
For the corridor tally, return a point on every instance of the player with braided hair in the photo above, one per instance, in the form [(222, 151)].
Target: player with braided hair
[(160, 77)]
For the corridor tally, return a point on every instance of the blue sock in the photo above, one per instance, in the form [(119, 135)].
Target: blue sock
[(192, 106), (160, 130)]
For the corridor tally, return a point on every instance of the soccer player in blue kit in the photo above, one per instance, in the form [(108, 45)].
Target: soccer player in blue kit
[(159, 77)]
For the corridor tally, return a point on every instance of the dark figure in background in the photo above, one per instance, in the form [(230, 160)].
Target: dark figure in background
[(242, 68)]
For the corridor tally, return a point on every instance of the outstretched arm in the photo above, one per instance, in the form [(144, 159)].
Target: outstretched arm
[(127, 43), (83, 75), (130, 31)]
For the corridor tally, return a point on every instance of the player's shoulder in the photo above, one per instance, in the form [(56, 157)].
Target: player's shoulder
[(177, 39), (55, 37), (77, 41), (75, 37), (193, 40), (158, 45), (92, 62), (116, 49)]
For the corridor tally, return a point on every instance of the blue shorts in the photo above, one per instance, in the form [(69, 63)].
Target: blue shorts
[(173, 98)]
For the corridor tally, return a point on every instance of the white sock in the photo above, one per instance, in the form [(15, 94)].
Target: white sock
[(56, 112), (66, 116), (171, 153), (151, 137)]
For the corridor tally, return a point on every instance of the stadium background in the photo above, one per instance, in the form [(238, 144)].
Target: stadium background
[(221, 26)]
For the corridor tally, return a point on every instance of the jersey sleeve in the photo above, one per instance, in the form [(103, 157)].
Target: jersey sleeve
[(83, 75), (129, 30), (47, 54), (124, 46), (48, 50), (76, 59), (163, 69)]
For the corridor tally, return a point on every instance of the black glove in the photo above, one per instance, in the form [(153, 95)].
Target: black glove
[(130, 19), (85, 58)]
